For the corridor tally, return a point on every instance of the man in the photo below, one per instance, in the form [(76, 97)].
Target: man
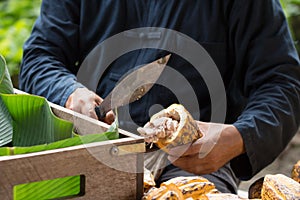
[(248, 40)]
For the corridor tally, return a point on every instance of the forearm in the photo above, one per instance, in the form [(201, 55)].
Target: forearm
[(48, 67), (233, 141), (269, 122), (267, 76), (41, 75)]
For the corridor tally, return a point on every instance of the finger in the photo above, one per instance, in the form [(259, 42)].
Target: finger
[(98, 100), (185, 163), (92, 114), (109, 118), (172, 159), (182, 162), (74, 108), (179, 150), (89, 110), (187, 150)]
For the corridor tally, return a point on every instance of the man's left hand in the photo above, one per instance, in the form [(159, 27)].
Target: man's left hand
[(219, 145)]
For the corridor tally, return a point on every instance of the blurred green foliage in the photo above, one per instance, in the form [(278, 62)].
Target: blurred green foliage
[(17, 18), (292, 11), (291, 7)]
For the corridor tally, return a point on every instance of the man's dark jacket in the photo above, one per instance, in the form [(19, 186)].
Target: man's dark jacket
[(248, 40)]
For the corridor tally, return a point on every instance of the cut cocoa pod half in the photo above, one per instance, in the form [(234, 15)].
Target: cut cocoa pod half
[(171, 127), (183, 180), (280, 187), (163, 193), (183, 187), (191, 186)]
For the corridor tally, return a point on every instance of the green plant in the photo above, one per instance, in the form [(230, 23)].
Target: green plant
[(17, 18), (291, 7), (292, 12)]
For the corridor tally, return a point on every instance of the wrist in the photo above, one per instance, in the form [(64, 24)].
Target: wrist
[(236, 140)]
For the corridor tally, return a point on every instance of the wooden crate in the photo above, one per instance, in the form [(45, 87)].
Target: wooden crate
[(109, 167)]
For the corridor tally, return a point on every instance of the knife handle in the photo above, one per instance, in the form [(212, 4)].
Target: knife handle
[(100, 112)]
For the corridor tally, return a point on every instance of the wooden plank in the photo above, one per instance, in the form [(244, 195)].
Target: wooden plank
[(107, 176)]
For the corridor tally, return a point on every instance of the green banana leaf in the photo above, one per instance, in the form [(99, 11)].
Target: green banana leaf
[(6, 86), (33, 121), (37, 128), (76, 140), (6, 129)]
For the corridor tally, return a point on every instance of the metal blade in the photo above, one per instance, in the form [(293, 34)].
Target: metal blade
[(133, 86)]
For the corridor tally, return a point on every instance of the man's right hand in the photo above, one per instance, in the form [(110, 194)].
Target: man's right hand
[(84, 101)]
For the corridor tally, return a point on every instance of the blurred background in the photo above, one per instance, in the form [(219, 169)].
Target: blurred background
[(16, 21), (17, 18)]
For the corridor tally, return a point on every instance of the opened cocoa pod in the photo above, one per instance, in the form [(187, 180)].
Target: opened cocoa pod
[(163, 193), (171, 127), (280, 186), (191, 186)]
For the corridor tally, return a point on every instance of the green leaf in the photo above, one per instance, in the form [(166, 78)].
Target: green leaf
[(33, 121), (76, 140), (49, 189), (17, 19), (6, 128), (6, 86)]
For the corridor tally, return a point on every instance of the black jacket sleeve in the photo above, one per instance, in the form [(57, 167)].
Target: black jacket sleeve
[(269, 77), (49, 60)]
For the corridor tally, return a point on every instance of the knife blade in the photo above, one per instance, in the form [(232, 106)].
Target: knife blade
[(140, 81)]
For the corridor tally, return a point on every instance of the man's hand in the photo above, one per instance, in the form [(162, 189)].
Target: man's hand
[(219, 145), (84, 101)]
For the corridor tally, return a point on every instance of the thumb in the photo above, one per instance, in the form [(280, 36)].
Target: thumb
[(209, 139)]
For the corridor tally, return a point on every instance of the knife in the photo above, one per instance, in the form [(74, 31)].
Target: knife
[(140, 81)]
